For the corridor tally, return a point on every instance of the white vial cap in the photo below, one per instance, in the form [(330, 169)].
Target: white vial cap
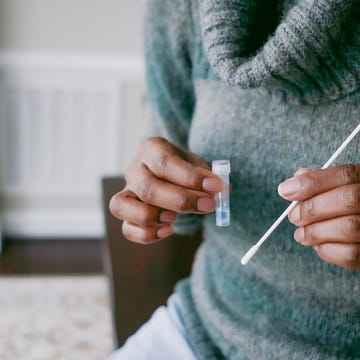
[(221, 166)]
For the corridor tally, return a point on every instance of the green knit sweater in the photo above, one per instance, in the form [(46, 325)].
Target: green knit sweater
[(273, 86)]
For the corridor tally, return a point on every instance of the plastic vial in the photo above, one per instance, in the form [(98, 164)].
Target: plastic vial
[(222, 169)]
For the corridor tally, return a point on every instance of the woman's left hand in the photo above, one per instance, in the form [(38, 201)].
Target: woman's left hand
[(328, 213)]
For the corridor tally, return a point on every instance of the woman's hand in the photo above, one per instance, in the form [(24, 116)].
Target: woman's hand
[(161, 181), (328, 214)]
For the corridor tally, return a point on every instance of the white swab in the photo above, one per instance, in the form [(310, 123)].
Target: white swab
[(255, 247)]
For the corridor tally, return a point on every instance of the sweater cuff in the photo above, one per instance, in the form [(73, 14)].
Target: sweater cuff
[(187, 224)]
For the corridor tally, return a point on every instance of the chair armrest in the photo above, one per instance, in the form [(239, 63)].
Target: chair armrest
[(141, 276)]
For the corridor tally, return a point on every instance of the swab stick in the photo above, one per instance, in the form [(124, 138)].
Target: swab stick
[(256, 247)]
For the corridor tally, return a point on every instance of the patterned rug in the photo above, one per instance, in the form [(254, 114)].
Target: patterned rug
[(54, 318)]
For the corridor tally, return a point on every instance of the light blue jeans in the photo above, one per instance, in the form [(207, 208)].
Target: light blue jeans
[(163, 337)]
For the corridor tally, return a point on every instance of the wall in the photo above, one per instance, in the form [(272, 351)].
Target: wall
[(78, 26), (71, 103)]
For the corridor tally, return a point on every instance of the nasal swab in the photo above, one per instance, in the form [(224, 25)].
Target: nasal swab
[(256, 247)]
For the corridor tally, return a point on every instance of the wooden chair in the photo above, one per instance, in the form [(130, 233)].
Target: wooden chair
[(141, 276)]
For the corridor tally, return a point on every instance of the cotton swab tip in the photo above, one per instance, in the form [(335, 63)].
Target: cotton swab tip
[(249, 254)]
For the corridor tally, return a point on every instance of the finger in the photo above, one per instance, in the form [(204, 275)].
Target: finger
[(126, 206), (146, 234), (165, 162), (345, 255), (345, 229), (311, 183), (342, 201), (192, 158), (163, 194), (302, 171)]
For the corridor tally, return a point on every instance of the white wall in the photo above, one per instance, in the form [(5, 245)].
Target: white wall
[(52, 52), (76, 26)]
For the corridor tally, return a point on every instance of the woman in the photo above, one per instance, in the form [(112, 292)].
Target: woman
[(273, 86)]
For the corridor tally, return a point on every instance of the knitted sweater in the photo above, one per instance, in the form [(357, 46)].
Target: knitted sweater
[(271, 85)]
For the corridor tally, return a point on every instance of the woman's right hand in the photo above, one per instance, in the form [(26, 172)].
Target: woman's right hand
[(162, 181)]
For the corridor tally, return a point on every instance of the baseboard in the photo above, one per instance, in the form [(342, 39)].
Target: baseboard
[(23, 223), (52, 256)]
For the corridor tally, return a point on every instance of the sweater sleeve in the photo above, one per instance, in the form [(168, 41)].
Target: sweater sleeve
[(167, 38)]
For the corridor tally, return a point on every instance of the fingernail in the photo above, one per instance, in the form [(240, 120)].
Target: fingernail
[(294, 215), (299, 235), (167, 216), (212, 184), (164, 231), (206, 204), (289, 187)]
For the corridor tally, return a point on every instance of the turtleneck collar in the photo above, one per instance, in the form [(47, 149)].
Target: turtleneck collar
[(306, 49)]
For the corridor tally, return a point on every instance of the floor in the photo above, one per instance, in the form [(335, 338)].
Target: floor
[(54, 318), (54, 300), (53, 256)]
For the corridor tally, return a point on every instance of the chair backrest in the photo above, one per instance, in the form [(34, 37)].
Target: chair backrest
[(141, 276)]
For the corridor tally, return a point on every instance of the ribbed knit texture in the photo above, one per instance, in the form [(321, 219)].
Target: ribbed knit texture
[(215, 70), (314, 52)]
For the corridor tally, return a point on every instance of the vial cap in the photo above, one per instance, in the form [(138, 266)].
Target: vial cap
[(221, 166)]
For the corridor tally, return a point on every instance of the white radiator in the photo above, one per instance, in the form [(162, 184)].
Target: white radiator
[(65, 122)]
